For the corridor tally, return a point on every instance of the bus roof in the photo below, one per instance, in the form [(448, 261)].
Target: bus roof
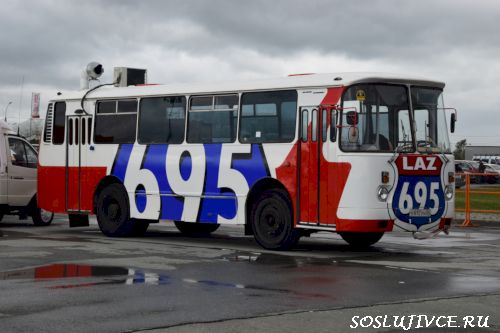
[(290, 82)]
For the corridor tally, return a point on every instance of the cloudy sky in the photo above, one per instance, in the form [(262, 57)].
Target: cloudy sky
[(45, 45)]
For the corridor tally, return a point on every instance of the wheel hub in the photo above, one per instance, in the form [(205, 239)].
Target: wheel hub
[(113, 211)]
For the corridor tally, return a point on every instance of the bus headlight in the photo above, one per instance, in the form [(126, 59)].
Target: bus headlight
[(448, 192), (382, 193)]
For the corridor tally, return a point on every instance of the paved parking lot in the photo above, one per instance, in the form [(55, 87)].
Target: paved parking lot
[(56, 279)]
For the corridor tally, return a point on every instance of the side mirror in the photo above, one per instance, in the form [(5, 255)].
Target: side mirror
[(453, 120), (352, 118)]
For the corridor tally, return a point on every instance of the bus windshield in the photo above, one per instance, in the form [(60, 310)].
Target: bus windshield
[(431, 131), (376, 118)]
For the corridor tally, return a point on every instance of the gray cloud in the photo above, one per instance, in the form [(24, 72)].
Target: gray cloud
[(49, 42)]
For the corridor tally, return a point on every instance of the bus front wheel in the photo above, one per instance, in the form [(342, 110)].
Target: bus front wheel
[(113, 213), (361, 239), (272, 221)]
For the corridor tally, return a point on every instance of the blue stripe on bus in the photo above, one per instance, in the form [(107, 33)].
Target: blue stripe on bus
[(252, 166), (121, 161), (225, 203), (171, 206)]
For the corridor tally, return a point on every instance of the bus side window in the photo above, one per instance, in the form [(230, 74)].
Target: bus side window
[(268, 116), (161, 120), (115, 121), (212, 119)]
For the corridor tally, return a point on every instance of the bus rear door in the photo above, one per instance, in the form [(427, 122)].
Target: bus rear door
[(77, 145)]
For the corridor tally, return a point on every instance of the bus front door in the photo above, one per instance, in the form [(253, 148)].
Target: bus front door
[(77, 144), (315, 176)]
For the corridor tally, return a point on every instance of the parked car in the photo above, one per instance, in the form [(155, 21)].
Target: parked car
[(494, 173), (18, 178), (468, 167), (459, 177)]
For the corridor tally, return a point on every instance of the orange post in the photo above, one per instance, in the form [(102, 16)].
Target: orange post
[(467, 221)]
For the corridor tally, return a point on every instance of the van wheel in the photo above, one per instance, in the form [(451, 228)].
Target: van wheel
[(272, 221), (192, 228), (361, 239), (113, 212), (42, 217)]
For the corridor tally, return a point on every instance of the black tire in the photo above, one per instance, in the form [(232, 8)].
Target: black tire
[(113, 213), (272, 221), (196, 229), (42, 218), (140, 228), (361, 239), (1, 217)]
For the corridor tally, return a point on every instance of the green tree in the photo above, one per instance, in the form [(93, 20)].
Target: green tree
[(459, 151)]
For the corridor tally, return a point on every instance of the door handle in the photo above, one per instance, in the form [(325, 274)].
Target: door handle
[(16, 177)]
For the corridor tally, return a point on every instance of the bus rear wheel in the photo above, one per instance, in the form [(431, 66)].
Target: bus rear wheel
[(272, 221), (113, 213), (361, 239), (192, 229)]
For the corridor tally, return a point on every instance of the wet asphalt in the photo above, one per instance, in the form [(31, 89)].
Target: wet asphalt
[(56, 279)]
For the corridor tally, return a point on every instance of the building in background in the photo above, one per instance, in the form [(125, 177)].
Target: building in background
[(481, 152)]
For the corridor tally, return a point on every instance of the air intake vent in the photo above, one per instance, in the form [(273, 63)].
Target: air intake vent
[(49, 120), (124, 76)]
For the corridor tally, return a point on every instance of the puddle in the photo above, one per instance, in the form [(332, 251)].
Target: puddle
[(71, 276), (219, 284), (56, 272), (282, 261)]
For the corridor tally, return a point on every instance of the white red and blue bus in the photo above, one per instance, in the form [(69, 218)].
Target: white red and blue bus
[(354, 153)]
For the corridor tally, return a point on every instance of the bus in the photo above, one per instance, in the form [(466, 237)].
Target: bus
[(357, 154)]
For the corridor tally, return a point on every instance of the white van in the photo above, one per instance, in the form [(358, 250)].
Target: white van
[(18, 175)]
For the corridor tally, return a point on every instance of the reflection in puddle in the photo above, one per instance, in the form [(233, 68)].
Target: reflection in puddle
[(282, 261), (109, 275), (68, 271), (212, 283)]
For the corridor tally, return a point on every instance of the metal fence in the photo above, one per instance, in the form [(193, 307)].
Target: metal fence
[(477, 193)]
